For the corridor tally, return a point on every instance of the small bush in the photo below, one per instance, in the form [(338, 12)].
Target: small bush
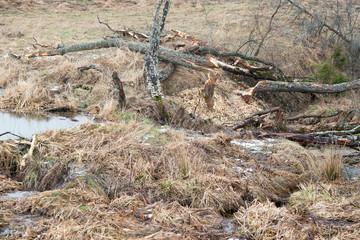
[(339, 60), (324, 72), (331, 71), (340, 77)]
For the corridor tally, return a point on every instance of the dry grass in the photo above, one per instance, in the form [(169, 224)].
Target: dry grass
[(333, 167), (130, 178), (112, 161), (265, 221), (323, 165), (8, 184)]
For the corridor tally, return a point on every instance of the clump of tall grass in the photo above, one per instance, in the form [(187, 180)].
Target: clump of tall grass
[(332, 167), (326, 165)]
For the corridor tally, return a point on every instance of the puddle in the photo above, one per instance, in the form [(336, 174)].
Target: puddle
[(25, 125), (351, 172), (228, 226), (255, 146), (20, 221), (77, 170), (16, 195)]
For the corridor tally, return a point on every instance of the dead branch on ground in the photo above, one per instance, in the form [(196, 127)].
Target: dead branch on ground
[(308, 139), (327, 115)]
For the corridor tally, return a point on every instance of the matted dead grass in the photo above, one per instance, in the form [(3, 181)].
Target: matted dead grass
[(129, 178), (266, 221), (78, 214), (7, 184), (188, 180)]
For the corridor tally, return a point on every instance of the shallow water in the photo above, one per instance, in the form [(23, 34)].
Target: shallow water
[(16, 195), (255, 146), (26, 125), (20, 221), (264, 147)]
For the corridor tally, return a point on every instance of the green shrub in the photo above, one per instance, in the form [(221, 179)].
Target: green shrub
[(331, 71), (339, 59), (340, 77), (324, 72)]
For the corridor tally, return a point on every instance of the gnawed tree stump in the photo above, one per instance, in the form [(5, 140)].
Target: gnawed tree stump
[(119, 89)]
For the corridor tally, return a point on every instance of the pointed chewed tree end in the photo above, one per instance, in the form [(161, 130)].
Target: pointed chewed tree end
[(247, 94)]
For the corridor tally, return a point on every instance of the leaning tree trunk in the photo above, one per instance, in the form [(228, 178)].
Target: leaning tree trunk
[(151, 57)]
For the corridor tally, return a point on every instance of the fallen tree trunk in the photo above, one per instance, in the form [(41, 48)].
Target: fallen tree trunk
[(348, 141), (183, 58), (178, 58), (271, 86)]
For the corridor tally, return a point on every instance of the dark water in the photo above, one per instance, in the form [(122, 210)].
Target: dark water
[(27, 124)]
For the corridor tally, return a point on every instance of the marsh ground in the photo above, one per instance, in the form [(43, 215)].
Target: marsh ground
[(127, 175)]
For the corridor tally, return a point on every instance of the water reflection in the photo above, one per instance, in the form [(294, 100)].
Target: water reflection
[(25, 124)]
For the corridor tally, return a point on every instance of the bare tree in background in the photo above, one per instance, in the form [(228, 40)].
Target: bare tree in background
[(338, 21)]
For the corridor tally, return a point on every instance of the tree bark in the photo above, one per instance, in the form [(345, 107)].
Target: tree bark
[(271, 86), (182, 58), (151, 57), (348, 141)]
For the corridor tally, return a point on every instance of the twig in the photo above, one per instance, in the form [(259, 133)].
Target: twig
[(92, 66), (10, 133), (328, 115), (106, 24), (41, 45)]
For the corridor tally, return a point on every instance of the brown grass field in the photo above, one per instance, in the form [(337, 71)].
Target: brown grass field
[(126, 175)]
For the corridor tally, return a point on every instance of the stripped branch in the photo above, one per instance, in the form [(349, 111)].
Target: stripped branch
[(348, 141), (204, 50)]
